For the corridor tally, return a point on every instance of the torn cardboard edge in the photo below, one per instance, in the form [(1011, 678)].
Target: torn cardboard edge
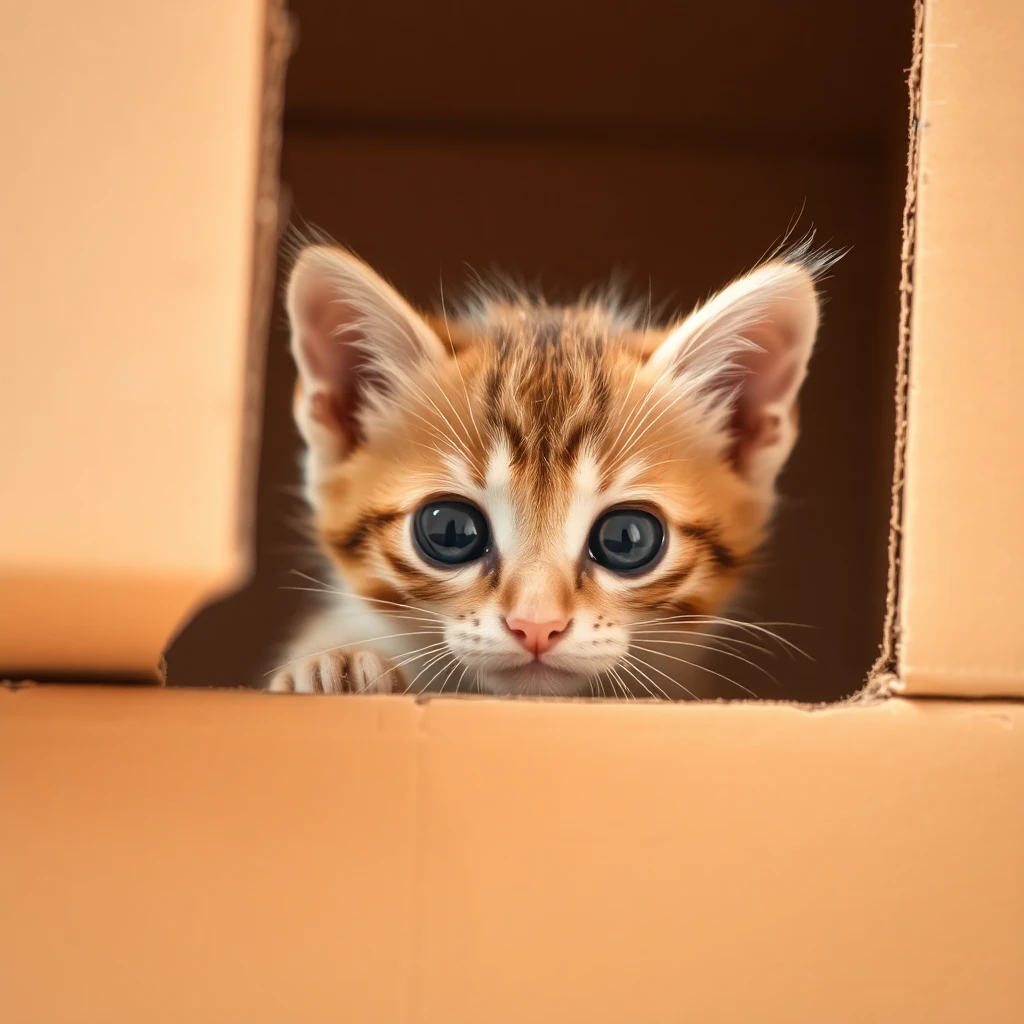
[(877, 690), (883, 679)]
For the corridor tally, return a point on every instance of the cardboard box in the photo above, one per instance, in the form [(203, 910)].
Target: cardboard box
[(218, 856), (958, 617), (127, 276), (170, 855)]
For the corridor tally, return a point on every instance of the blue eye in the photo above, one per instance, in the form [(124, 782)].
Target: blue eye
[(626, 539), (451, 532)]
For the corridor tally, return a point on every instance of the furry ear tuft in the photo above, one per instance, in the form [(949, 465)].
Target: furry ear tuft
[(352, 336), (744, 354)]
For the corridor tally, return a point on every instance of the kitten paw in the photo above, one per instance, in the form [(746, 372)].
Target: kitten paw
[(338, 672)]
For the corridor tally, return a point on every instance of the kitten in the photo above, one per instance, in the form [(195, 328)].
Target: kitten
[(527, 499)]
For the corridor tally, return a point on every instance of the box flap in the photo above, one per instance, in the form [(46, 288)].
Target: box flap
[(962, 542), (174, 856), (126, 271)]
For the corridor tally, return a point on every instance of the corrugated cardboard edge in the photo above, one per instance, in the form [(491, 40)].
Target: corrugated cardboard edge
[(267, 219), (883, 678)]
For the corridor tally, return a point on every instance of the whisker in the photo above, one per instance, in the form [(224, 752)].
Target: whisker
[(458, 367), (454, 433), (667, 372), (696, 665), (432, 448), (354, 643), (675, 396), (622, 406), (625, 689), (602, 678), (675, 682), (647, 453), (313, 579), (437, 616), (453, 438), (634, 672), (372, 600), (400, 616), (411, 656), (438, 656), (421, 652), (649, 634), (750, 627), (702, 647), (452, 441), (454, 662), (462, 675), (404, 616), (632, 442)]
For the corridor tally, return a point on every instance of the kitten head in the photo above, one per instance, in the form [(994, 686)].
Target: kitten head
[(541, 481)]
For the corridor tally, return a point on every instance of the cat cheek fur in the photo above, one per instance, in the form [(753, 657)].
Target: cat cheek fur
[(543, 417)]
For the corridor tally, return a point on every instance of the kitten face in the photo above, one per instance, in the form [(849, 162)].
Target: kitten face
[(540, 482)]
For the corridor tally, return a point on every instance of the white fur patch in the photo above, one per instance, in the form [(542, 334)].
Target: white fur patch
[(496, 499), (584, 505), (629, 471), (460, 474)]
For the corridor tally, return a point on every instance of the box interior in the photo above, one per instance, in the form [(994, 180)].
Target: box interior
[(536, 156), (670, 143)]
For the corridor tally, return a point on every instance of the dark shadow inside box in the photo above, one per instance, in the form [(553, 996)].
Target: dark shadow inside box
[(670, 143)]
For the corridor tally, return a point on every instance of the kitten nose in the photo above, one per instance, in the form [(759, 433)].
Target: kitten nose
[(537, 637)]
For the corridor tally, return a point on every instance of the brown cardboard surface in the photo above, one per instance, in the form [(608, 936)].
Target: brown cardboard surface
[(963, 546), (127, 218), (170, 856)]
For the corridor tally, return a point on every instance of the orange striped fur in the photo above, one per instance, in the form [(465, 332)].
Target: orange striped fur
[(543, 417)]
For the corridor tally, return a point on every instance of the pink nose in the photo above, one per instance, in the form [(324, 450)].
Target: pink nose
[(537, 637)]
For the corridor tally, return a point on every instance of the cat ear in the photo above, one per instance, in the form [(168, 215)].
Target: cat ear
[(352, 337), (744, 354)]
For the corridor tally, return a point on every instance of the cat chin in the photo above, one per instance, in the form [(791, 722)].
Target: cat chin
[(534, 681)]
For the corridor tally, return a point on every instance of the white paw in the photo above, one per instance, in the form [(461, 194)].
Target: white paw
[(338, 672)]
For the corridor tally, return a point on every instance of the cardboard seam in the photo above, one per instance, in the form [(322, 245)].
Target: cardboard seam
[(884, 675)]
